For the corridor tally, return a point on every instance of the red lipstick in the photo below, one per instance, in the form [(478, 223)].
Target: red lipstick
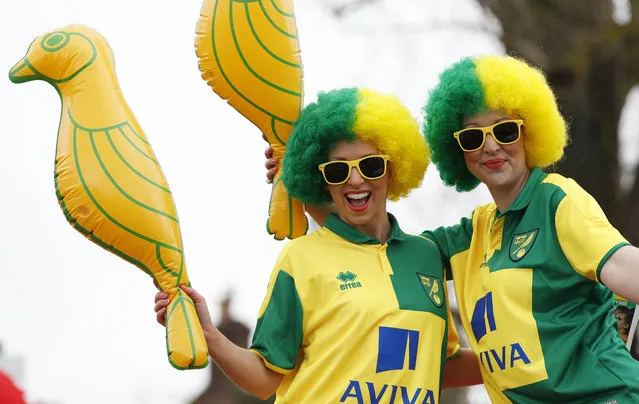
[(494, 164)]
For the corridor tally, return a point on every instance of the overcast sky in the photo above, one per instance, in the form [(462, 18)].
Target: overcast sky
[(85, 335)]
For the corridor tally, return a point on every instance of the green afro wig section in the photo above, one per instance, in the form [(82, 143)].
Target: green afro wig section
[(498, 83), (319, 126), (459, 94), (347, 115)]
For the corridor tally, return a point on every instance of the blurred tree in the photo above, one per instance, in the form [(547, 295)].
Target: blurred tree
[(588, 49), (592, 61)]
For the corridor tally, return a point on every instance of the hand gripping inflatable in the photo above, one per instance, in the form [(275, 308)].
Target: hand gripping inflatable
[(108, 181), (249, 53)]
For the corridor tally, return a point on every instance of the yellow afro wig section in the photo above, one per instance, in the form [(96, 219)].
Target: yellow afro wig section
[(384, 121), (512, 86)]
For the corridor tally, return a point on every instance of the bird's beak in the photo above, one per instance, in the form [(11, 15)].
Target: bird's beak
[(22, 72)]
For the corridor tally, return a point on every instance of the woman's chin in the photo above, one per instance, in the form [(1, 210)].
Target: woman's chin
[(355, 218), (497, 179)]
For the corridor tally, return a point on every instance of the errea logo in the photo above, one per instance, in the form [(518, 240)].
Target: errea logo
[(348, 280)]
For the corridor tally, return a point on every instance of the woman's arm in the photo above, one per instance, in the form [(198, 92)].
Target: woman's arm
[(463, 370), (620, 273), (242, 366)]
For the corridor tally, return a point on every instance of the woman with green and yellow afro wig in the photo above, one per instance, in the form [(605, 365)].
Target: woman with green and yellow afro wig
[(351, 114), (537, 269), (498, 83)]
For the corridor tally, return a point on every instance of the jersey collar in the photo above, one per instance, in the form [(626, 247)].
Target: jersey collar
[(337, 226), (526, 194)]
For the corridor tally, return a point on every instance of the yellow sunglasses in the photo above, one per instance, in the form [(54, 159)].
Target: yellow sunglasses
[(339, 171), (504, 133)]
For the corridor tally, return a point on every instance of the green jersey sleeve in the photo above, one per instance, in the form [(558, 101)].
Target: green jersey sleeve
[(279, 332), (451, 240)]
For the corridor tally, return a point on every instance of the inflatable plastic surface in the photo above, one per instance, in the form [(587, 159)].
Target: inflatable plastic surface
[(248, 52), (108, 181)]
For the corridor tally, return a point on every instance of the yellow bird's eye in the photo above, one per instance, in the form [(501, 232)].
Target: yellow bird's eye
[(55, 41)]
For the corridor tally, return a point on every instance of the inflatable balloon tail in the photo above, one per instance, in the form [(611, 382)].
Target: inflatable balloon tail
[(285, 213), (249, 54), (185, 342), (109, 182), (180, 320)]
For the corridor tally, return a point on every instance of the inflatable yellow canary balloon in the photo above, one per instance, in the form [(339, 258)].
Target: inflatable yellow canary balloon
[(108, 180), (249, 53)]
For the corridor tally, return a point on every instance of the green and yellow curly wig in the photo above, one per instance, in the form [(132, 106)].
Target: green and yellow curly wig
[(351, 114), (499, 83)]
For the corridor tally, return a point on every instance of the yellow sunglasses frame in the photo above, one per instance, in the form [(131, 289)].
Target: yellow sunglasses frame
[(489, 129), (351, 164)]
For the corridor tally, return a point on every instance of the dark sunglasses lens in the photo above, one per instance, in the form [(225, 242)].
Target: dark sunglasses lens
[(471, 139), (335, 172), (506, 132), (373, 167)]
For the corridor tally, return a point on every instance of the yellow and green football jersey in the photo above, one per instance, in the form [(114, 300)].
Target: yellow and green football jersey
[(349, 320), (527, 284)]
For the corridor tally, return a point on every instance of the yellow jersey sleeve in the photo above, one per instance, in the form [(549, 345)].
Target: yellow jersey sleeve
[(452, 345), (586, 237), (279, 332)]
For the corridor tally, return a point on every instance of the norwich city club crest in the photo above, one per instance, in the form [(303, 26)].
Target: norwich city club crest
[(433, 288), (521, 244)]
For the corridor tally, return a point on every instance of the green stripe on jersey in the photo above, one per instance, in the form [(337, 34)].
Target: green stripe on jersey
[(417, 275), (276, 324)]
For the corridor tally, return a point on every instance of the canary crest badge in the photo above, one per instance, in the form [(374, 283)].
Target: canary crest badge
[(521, 244), (433, 288)]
